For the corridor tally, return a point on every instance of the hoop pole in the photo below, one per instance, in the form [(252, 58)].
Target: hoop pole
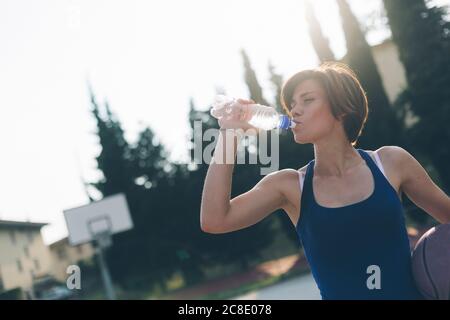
[(109, 289)]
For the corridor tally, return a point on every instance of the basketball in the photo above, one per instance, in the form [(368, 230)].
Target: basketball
[(431, 263)]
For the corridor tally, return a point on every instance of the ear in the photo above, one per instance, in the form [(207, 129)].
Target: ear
[(341, 117)]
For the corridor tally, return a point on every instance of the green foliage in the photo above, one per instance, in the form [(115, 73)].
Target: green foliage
[(164, 200), (382, 127), (12, 294), (422, 35), (164, 197), (319, 41)]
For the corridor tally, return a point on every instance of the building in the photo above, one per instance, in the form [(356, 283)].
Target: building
[(25, 259), (392, 72), (63, 255), (390, 68), (23, 255)]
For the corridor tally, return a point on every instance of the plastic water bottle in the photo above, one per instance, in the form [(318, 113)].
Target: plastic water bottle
[(257, 115)]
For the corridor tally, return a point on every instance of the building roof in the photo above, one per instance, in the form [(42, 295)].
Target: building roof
[(21, 224), (62, 241)]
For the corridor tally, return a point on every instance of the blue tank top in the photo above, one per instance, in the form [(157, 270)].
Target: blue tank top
[(350, 248)]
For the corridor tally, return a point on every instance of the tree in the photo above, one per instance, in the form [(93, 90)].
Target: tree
[(319, 41), (382, 126), (255, 90), (422, 36), (135, 170), (115, 149)]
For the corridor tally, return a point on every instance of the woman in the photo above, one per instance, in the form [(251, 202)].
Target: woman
[(345, 203)]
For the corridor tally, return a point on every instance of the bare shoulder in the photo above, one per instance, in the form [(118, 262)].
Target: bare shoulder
[(390, 156), (395, 159), (284, 174), (394, 155), (288, 183), (281, 176), (285, 178), (302, 170), (277, 180)]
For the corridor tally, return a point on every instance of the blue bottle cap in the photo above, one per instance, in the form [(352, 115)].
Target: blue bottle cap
[(285, 122)]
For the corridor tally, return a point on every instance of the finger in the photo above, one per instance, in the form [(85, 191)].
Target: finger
[(245, 101), (231, 124)]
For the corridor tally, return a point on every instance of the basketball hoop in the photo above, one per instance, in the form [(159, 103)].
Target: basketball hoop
[(100, 229), (97, 222)]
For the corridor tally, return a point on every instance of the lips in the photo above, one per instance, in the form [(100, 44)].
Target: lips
[(298, 124)]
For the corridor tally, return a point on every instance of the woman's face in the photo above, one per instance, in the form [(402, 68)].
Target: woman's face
[(311, 111)]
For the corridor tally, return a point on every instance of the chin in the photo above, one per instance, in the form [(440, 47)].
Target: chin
[(299, 140)]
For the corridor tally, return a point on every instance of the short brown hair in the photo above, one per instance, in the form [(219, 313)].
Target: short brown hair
[(344, 92)]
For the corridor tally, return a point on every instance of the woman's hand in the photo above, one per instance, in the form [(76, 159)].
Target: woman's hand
[(238, 117)]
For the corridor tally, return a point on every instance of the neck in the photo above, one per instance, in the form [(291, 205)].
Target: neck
[(335, 159)]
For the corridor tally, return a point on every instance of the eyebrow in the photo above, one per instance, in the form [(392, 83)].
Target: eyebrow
[(304, 94)]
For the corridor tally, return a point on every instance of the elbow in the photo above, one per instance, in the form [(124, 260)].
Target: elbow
[(210, 227), (204, 226), (211, 221), (210, 230)]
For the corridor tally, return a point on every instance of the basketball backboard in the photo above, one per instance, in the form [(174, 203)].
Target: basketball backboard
[(109, 215)]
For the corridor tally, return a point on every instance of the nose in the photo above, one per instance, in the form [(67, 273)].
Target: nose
[(296, 112)]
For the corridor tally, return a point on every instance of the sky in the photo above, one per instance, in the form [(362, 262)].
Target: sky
[(147, 59)]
